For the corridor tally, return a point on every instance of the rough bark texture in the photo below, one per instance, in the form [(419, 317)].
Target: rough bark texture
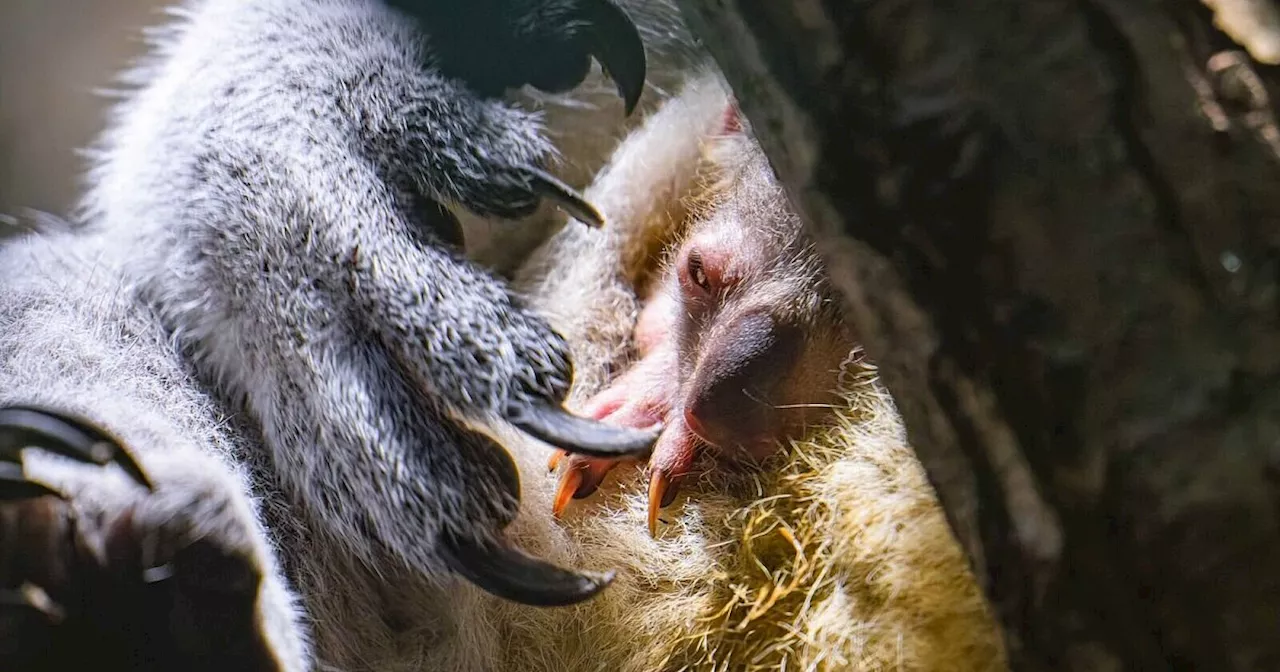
[(1058, 223)]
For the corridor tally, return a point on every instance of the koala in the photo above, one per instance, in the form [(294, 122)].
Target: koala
[(264, 310), (256, 414)]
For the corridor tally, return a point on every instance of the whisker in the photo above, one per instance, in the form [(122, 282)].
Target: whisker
[(785, 406), (758, 400)]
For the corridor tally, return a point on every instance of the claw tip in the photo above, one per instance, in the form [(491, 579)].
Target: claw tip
[(569, 484), (565, 197), (620, 51), (505, 571), (555, 460), (658, 484), (573, 434)]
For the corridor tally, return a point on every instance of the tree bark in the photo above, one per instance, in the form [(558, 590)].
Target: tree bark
[(1057, 223)]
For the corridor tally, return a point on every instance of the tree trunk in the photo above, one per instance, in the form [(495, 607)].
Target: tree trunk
[(1058, 226)]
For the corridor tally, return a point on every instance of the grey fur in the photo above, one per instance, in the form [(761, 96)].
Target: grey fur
[(249, 300)]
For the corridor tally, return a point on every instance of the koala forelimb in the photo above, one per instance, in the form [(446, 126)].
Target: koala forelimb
[(260, 293)]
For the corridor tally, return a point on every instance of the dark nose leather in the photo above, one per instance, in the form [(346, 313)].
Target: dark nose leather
[(731, 399)]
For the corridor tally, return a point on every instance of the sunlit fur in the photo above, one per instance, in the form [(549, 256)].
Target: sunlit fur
[(878, 583)]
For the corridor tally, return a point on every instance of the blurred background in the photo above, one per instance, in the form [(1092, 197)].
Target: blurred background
[(53, 55)]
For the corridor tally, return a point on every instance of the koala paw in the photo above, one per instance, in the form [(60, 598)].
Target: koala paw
[(468, 351), (478, 152), (157, 583), (486, 157), (547, 44)]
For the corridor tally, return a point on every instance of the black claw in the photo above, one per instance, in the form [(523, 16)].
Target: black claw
[(616, 43), (14, 484), (503, 570), (31, 596), (548, 186), (560, 428), (55, 432)]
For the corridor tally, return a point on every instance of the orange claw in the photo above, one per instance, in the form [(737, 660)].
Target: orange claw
[(659, 484), (555, 459), (569, 483)]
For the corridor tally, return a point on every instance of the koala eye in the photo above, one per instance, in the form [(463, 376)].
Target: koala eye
[(697, 271), (702, 272)]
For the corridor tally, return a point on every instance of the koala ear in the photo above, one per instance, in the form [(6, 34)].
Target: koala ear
[(732, 122)]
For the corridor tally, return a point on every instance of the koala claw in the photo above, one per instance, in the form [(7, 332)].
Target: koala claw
[(662, 491), (503, 570), (136, 582), (569, 200), (14, 484), (617, 45), (549, 43), (55, 432), (33, 597), (574, 434)]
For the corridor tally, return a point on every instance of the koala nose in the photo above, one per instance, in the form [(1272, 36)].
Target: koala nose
[(730, 402)]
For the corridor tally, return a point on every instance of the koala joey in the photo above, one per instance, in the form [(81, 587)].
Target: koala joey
[(262, 299), (740, 343)]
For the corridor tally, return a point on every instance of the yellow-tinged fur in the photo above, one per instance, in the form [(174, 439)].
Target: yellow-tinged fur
[(837, 557)]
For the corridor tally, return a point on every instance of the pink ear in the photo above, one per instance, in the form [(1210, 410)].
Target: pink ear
[(732, 123)]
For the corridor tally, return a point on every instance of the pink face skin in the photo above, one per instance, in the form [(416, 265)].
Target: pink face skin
[(737, 349)]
